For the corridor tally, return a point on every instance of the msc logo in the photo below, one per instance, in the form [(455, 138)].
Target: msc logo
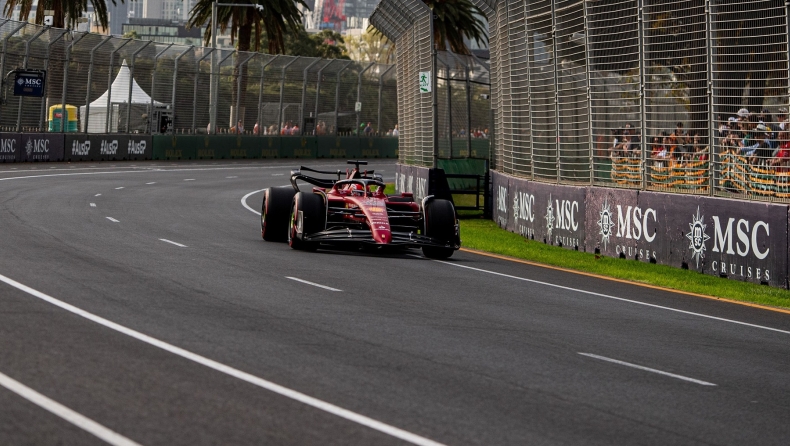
[(523, 206), (501, 199), (7, 145), (80, 148)]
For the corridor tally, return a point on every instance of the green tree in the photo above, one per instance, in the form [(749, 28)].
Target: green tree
[(272, 18), (62, 9), (455, 21), (370, 47)]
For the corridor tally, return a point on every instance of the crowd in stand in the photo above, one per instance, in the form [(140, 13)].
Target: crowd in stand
[(762, 139)]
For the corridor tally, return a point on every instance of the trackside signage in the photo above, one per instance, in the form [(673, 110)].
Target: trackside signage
[(41, 147), (548, 213), (739, 240), (412, 179), (10, 148)]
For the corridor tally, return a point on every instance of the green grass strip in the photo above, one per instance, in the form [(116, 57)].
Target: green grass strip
[(485, 235)]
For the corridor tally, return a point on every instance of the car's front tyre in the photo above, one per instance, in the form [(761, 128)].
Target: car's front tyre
[(439, 224), (308, 216), (274, 213)]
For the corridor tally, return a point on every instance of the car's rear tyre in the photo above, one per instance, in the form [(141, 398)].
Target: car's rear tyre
[(439, 224), (274, 213), (313, 219)]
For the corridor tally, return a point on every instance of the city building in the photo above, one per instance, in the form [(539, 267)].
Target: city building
[(164, 31)]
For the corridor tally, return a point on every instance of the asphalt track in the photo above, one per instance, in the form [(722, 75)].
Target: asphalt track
[(158, 343)]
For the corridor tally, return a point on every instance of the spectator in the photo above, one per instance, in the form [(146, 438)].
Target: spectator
[(395, 131), (239, 130), (658, 151), (615, 147), (763, 151), (781, 119), (295, 130), (682, 143), (256, 129), (485, 133), (743, 114), (782, 157), (699, 150), (368, 130)]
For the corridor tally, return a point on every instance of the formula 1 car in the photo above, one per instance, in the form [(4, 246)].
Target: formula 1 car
[(356, 211)]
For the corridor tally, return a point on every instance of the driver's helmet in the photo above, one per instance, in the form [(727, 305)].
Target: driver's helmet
[(356, 189)]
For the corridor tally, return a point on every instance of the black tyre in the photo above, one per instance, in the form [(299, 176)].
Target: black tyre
[(313, 219), (439, 224), (275, 212)]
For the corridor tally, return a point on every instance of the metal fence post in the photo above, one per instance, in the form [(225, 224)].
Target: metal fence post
[(359, 97), (5, 50), (86, 118), (434, 93), (153, 86), (260, 92), (42, 113), (109, 87), (711, 127), (238, 88), (195, 92), (215, 127), (337, 94), (555, 51), (590, 132), (381, 88), (24, 65), (642, 98), (66, 82), (318, 92), (175, 81), (304, 92), (282, 95), (449, 105), (131, 82)]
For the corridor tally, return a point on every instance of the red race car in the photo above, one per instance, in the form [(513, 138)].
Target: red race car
[(356, 211)]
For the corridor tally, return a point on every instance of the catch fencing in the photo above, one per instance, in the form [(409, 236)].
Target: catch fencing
[(445, 112), (132, 86), (592, 92)]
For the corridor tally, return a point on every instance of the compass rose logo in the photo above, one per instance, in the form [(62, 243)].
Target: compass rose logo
[(697, 237), (606, 223), (549, 218), (515, 208), (29, 148)]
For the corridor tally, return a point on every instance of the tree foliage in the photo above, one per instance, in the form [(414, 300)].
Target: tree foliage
[(62, 9), (370, 46), (272, 18), (326, 44)]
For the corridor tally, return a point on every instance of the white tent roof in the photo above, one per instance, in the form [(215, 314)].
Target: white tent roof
[(120, 91)]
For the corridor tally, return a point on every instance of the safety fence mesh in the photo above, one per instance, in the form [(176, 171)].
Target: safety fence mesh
[(685, 96), (126, 85)]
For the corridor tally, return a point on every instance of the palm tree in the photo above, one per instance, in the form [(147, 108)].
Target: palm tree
[(71, 9), (454, 21), (274, 19)]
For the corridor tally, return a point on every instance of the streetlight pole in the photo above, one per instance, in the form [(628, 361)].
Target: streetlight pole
[(214, 69)]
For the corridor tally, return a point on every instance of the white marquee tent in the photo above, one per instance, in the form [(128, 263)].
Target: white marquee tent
[(119, 98)]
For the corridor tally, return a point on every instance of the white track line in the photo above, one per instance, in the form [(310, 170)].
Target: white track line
[(244, 201), (621, 299), (313, 284), (232, 177), (97, 195), (648, 369), (113, 220), (189, 179), (152, 182), (119, 188), (280, 174), (93, 205), (222, 368), (173, 243), (64, 412)]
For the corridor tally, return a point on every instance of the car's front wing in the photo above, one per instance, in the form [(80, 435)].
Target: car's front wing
[(401, 239)]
